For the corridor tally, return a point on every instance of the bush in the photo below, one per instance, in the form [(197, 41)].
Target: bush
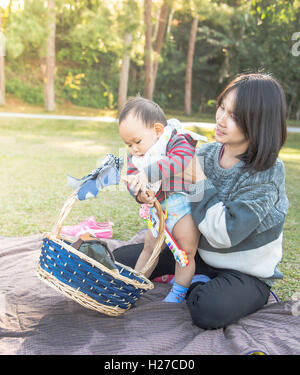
[(88, 89), (32, 94)]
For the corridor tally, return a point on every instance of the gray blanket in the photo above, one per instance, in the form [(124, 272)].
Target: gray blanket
[(36, 319)]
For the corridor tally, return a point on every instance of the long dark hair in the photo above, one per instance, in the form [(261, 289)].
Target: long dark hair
[(260, 112)]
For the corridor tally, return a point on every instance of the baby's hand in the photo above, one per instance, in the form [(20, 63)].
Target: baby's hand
[(137, 183), (143, 194), (147, 197)]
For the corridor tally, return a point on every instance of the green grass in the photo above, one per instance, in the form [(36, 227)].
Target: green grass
[(36, 155)]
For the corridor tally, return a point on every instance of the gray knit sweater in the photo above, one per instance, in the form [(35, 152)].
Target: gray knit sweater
[(240, 215)]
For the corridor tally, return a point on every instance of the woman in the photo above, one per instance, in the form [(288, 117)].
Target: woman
[(238, 203)]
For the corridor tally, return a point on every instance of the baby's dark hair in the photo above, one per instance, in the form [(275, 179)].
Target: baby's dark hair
[(144, 109), (260, 111)]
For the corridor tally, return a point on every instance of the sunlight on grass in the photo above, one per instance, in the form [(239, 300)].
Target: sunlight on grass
[(86, 147), (289, 154)]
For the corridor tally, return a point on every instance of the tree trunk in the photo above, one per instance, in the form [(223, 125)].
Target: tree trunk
[(2, 74), (157, 16), (298, 113), (50, 61), (189, 67), (123, 84), (163, 17), (148, 48), (170, 18)]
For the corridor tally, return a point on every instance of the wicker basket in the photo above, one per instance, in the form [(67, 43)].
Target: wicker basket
[(87, 281)]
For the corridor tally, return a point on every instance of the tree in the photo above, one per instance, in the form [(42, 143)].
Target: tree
[(148, 48), (128, 22), (92, 41), (2, 74), (189, 67), (278, 21), (152, 54), (163, 19), (124, 73), (217, 38), (50, 60)]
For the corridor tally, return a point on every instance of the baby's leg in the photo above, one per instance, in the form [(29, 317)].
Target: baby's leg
[(187, 235), (146, 253)]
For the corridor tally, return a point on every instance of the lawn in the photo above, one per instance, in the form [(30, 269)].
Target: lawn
[(36, 155)]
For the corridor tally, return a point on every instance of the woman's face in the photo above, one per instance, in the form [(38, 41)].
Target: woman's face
[(227, 130)]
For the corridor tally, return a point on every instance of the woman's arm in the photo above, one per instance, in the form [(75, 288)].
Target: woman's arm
[(226, 224)]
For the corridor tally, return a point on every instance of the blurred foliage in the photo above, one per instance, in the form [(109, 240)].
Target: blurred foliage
[(234, 36)]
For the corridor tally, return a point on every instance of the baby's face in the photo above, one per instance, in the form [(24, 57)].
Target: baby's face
[(137, 136)]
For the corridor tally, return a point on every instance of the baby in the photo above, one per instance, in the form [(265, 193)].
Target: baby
[(159, 151)]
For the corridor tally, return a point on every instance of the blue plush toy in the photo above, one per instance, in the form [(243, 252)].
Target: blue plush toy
[(108, 173)]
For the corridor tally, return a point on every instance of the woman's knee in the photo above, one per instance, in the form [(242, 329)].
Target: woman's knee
[(206, 312), (226, 299)]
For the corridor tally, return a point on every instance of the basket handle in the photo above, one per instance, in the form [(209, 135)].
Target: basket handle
[(159, 241), (64, 213)]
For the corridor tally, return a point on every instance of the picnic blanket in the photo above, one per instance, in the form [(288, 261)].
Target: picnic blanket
[(36, 319)]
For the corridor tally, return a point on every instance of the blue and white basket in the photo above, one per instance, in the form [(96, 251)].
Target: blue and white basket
[(87, 281)]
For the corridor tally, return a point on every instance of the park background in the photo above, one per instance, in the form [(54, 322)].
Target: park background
[(85, 57)]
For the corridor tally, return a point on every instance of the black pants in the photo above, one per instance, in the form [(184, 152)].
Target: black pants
[(229, 296)]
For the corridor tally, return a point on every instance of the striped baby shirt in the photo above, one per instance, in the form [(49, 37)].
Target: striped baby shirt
[(179, 152)]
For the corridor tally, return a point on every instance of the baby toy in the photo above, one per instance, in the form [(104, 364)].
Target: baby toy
[(108, 173), (153, 223)]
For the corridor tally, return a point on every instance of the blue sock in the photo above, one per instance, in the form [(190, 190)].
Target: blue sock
[(177, 294), (196, 278), (202, 278)]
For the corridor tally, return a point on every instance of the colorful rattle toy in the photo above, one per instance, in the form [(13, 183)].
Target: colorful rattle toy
[(153, 223)]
